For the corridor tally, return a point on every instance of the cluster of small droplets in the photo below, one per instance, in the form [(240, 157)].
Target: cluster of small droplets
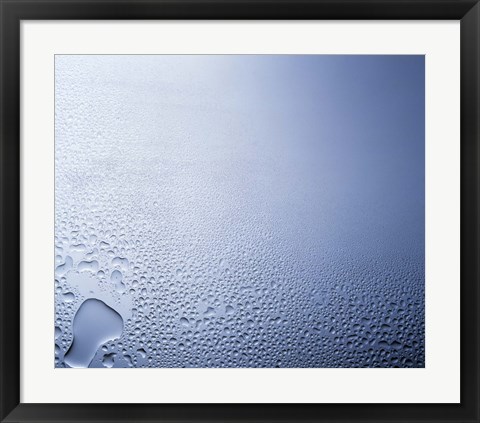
[(246, 309), (206, 266)]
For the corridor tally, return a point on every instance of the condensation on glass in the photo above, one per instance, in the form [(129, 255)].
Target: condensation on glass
[(239, 211)]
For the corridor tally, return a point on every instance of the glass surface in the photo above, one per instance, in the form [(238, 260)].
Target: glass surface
[(239, 211)]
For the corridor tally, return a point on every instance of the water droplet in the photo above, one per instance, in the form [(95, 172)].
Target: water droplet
[(94, 324)]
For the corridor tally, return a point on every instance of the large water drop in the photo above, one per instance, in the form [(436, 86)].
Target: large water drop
[(94, 324)]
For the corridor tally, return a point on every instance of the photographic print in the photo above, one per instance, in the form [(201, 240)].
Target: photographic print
[(239, 211)]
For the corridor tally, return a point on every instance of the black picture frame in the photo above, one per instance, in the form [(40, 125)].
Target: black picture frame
[(13, 11)]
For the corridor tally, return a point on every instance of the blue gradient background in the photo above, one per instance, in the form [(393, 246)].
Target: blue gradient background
[(264, 211)]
